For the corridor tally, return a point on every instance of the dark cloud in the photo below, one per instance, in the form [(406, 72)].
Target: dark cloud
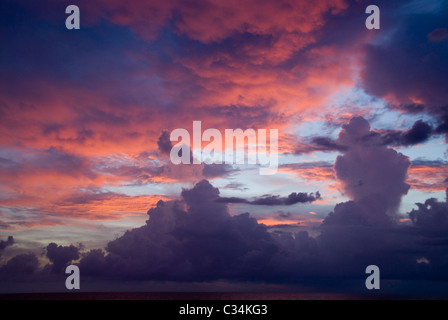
[(397, 67), (429, 163), (61, 256), (430, 214), (275, 200), (316, 144), (328, 144), (419, 133), (164, 142), (439, 112), (443, 126), (367, 212), (26, 263), (192, 238), (412, 65), (8, 242), (196, 239)]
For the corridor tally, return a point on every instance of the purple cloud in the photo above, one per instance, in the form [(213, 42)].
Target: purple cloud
[(61, 256), (372, 175), (7, 243), (275, 200), (192, 238), (25, 263)]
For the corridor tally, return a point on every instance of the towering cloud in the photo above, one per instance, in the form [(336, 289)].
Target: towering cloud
[(372, 175)]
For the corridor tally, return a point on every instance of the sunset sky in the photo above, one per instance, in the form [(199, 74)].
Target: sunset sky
[(85, 118)]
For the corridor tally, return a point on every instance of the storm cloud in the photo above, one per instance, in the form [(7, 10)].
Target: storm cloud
[(191, 239)]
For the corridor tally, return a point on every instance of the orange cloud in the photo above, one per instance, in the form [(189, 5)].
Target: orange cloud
[(313, 172), (81, 208), (215, 20), (427, 178), (300, 220)]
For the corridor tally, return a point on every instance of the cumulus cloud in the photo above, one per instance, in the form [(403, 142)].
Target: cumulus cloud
[(26, 263), (372, 175), (61, 256), (193, 238), (196, 239), (431, 214), (367, 212)]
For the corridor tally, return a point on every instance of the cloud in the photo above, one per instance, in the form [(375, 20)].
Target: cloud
[(193, 238), (316, 144), (372, 175), (366, 212), (26, 263), (438, 35), (196, 239), (213, 21), (88, 119), (164, 142), (370, 169), (215, 170), (432, 214), (242, 69), (61, 256), (275, 200), (415, 50), (311, 171), (419, 133), (428, 175), (7, 243)]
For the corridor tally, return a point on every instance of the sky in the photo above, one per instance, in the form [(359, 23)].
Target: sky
[(86, 115)]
